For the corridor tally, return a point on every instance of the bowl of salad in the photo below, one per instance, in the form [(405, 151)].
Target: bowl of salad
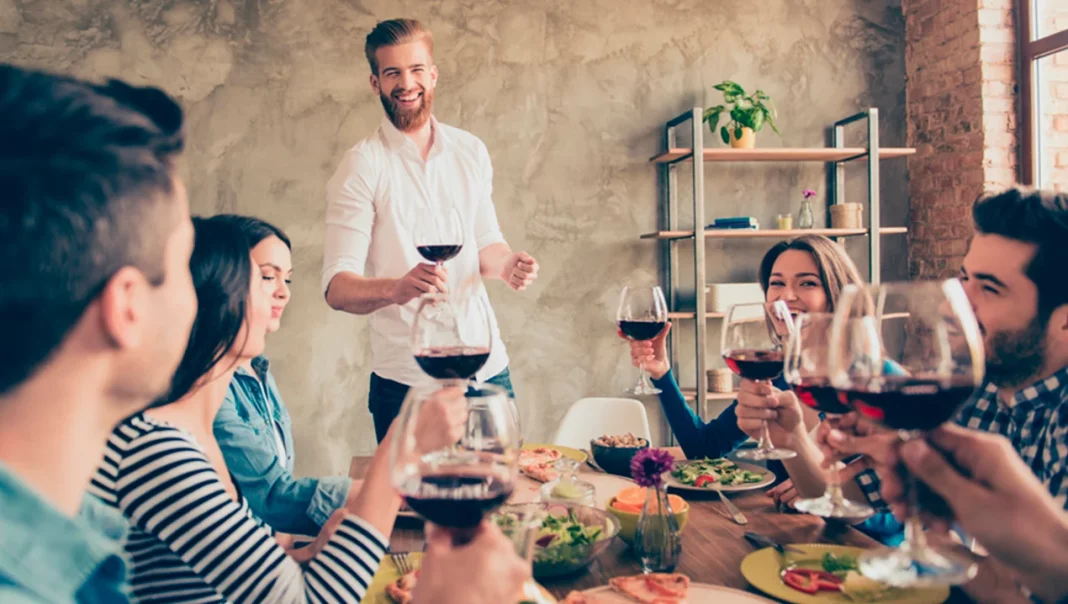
[(567, 539)]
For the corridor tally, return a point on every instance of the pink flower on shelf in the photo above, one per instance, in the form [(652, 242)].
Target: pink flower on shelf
[(648, 466), (808, 193)]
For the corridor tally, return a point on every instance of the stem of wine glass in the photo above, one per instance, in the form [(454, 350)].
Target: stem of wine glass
[(834, 485), (914, 536), (764, 444), (644, 385)]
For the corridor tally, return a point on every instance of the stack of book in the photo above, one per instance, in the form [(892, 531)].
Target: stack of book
[(736, 222)]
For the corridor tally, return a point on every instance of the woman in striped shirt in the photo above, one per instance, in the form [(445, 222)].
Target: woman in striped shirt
[(192, 536)]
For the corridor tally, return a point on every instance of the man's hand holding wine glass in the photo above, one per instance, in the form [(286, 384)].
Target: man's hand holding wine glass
[(520, 271), (422, 279), (980, 474)]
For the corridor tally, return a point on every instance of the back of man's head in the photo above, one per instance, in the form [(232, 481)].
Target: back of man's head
[(86, 179), (1036, 217)]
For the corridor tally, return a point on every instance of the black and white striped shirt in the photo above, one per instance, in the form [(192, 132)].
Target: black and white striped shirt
[(190, 542)]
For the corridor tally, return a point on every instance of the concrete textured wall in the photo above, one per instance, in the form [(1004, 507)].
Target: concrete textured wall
[(570, 98)]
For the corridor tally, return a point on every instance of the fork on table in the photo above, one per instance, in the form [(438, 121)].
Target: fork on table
[(402, 561)]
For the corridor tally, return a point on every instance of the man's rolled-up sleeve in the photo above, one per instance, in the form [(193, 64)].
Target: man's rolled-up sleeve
[(350, 216)]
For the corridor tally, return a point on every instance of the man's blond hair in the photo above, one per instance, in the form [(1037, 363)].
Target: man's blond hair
[(392, 33)]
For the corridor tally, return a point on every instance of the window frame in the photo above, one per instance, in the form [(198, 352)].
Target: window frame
[(1028, 52)]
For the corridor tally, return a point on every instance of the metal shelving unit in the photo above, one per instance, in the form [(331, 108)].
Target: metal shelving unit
[(671, 234)]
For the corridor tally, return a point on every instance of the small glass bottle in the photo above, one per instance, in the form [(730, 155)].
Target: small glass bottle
[(568, 488)]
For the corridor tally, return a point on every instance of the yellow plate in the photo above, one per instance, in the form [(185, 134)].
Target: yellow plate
[(567, 452), (762, 567), (388, 573)]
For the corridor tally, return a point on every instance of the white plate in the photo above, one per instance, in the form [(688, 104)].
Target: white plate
[(769, 478), (699, 593)]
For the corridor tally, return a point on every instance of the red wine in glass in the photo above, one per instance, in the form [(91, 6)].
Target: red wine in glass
[(458, 500), (452, 362), (641, 330), (439, 253), (910, 403), (818, 394), (755, 364)]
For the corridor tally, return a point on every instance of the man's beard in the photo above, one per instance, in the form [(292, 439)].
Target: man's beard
[(1013, 357), (407, 120)]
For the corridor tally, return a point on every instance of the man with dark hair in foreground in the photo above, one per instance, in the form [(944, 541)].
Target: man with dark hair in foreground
[(97, 301)]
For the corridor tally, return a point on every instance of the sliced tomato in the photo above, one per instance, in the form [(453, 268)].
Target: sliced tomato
[(703, 479), (802, 580), (835, 585)]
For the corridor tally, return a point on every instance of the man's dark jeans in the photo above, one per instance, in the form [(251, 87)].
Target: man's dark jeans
[(387, 396)]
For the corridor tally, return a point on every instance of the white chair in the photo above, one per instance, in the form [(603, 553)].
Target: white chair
[(589, 418)]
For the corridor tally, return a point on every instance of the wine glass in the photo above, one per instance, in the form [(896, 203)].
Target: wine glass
[(642, 315), (454, 485), (451, 339), (908, 363), (806, 369), (439, 235), (752, 351)]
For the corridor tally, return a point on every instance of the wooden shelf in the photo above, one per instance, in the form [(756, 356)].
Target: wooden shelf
[(691, 314), (818, 154), (771, 233), (690, 394)]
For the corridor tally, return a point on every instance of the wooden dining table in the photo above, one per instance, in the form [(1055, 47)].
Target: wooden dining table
[(713, 545)]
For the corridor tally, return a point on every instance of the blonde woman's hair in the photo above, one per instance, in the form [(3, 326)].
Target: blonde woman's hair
[(392, 33)]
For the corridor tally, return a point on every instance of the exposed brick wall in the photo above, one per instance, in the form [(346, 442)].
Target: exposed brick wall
[(960, 90)]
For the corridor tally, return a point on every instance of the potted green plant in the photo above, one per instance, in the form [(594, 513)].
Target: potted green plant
[(748, 115)]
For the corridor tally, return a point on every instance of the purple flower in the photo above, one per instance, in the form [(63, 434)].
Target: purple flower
[(808, 193), (648, 466)]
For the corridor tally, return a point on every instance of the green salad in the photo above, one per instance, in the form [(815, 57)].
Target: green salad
[(708, 473), (839, 565), (561, 540)]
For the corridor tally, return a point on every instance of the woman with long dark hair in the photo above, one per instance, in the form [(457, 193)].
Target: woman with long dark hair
[(253, 427), (192, 535)]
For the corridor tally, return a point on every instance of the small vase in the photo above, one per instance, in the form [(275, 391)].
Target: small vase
[(657, 542), (805, 219)]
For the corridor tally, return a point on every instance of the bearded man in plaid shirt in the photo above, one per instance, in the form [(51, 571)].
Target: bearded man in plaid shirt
[(1016, 279)]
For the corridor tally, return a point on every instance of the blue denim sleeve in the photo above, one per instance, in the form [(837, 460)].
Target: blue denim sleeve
[(697, 438), (105, 519), (286, 503)]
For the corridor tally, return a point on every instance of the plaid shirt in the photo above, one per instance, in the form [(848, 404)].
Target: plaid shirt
[(1036, 423)]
